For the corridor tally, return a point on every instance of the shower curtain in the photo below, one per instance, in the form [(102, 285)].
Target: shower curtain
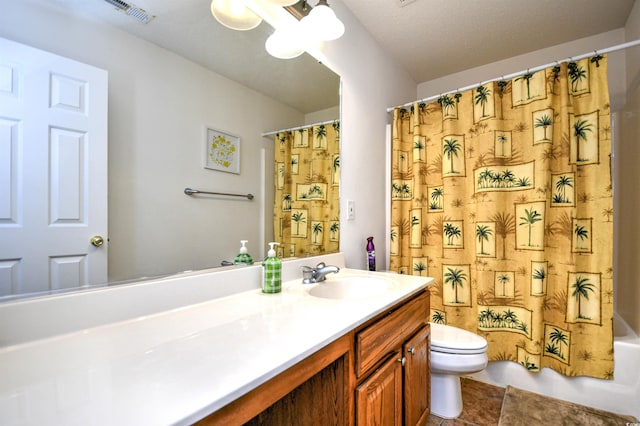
[(306, 214), (503, 194)]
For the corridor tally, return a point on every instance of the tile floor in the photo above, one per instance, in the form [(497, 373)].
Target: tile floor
[(482, 403)]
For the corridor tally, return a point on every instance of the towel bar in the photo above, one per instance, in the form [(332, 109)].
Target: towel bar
[(190, 191)]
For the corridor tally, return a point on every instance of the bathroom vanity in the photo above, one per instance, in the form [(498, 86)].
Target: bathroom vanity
[(211, 347), (377, 373)]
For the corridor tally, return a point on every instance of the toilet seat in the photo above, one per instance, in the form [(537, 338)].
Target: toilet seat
[(453, 340)]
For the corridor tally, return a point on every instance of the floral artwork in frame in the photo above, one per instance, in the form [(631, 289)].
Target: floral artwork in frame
[(222, 151)]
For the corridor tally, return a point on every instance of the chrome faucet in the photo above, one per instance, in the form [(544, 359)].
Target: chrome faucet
[(315, 275)]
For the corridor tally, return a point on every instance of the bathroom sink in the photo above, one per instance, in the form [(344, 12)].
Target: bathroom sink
[(350, 287)]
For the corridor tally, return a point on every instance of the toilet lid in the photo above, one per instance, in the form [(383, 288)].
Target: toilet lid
[(453, 340)]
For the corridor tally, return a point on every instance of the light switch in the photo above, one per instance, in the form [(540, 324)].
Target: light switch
[(351, 210)]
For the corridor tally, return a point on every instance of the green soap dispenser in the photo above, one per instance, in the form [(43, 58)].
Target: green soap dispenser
[(272, 267), (243, 257)]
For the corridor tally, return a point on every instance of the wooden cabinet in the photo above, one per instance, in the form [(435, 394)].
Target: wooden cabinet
[(316, 391), (392, 367), (379, 397), (376, 374), (417, 377)]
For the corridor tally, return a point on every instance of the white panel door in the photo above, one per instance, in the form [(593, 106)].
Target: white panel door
[(53, 171)]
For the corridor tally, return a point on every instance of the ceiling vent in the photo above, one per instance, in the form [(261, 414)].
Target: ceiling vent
[(403, 3), (132, 10)]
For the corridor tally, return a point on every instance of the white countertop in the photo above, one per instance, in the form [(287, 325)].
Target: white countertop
[(176, 366)]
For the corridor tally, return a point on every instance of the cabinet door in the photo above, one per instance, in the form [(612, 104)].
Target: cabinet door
[(417, 392), (387, 335), (379, 398)]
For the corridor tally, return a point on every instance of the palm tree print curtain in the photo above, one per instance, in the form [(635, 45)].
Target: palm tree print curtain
[(503, 195), (306, 215)]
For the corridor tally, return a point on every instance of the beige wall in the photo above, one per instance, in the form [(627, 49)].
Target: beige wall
[(548, 55), (328, 114), (626, 208), (371, 82), (632, 32), (626, 184), (159, 104)]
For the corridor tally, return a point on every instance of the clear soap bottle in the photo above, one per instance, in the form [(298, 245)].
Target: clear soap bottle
[(272, 269), (243, 257)]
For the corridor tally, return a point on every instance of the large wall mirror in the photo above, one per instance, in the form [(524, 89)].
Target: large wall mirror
[(169, 81)]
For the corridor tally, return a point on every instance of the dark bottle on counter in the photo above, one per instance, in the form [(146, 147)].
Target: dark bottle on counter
[(371, 254)]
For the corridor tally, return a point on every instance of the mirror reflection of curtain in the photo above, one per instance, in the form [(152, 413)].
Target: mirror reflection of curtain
[(306, 217), (503, 194)]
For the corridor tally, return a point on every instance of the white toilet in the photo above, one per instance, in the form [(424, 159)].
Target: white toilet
[(454, 352)]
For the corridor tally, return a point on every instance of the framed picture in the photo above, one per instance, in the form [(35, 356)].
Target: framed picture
[(222, 151)]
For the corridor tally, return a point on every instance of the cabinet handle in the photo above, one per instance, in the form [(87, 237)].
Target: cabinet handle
[(412, 351), (402, 360)]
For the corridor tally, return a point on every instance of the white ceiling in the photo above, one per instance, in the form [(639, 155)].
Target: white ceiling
[(434, 38)]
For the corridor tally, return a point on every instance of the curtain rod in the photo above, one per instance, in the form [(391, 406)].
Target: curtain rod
[(528, 70), (299, 127)]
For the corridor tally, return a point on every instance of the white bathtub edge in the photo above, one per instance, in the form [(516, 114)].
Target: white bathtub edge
[(620, 395)]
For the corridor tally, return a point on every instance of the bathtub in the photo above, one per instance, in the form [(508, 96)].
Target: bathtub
[(620, 395)]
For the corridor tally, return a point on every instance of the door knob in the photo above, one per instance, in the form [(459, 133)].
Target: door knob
[(97, 241)]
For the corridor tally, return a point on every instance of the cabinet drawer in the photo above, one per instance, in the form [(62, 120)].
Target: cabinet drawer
[(387, 334)]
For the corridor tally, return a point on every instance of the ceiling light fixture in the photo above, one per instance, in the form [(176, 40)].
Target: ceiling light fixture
[(234, 14), (317, 24), (286, 42), (322, 23), (283, 2), (292, 35)]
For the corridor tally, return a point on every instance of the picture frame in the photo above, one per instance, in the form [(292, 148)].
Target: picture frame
[(221, 151)]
